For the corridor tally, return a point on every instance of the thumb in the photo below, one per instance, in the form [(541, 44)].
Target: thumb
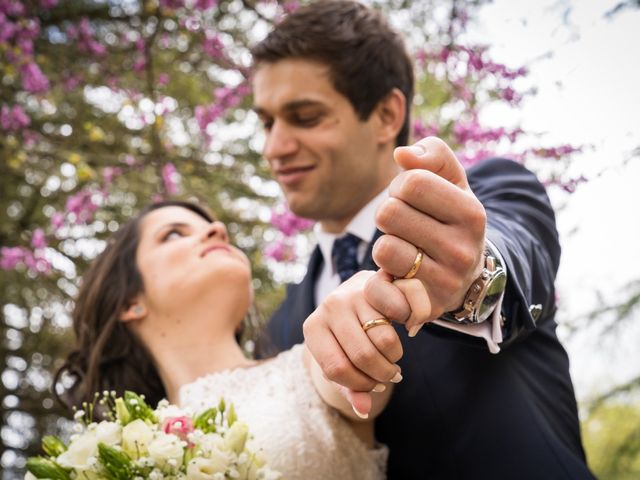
[(434, 155)]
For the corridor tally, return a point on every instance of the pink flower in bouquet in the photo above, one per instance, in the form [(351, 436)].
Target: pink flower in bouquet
[(181, 427)]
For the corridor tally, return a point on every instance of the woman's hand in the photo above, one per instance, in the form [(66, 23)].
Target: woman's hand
[(362, 362)]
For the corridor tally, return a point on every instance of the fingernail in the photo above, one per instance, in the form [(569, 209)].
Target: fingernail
[(413, 331), (359, 414), (379, 388), (417, 149), (397, 378)]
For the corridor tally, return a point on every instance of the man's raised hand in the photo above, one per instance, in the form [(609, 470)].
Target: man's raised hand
[(432, 208)]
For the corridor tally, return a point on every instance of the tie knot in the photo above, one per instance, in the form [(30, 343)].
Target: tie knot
[(345, 255)]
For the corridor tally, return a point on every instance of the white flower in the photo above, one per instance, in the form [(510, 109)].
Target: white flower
[(236, 437), (81, 449), (209, 442), (165, 447), (136, 437), (204, 468), (109, 433), (30, 476), (265, 473)]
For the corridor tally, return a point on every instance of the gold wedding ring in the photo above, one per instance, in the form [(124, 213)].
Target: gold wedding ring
[(416, 265), (376, 322)]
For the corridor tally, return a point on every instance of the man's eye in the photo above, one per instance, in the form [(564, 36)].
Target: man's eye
[(307, 120), (267, 123)]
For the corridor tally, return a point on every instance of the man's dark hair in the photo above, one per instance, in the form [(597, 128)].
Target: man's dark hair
[(366, 58)]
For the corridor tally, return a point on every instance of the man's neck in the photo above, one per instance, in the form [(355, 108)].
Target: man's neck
[(338, 226)]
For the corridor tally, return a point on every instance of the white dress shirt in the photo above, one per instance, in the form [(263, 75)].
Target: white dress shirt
[(363, 226)]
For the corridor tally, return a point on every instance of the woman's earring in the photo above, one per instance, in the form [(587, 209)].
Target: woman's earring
[(138, 310)]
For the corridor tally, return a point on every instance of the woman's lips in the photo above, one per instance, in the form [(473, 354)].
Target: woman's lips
[(292, 175), (215, 247)]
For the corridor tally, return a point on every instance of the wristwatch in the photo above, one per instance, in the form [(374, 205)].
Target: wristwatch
[(484, 293)]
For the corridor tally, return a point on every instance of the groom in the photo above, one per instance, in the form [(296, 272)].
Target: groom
[(333, 85)]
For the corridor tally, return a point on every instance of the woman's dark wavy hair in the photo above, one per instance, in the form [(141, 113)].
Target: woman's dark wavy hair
[(107, 356)]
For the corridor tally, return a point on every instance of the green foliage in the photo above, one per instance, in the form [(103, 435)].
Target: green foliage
[(612, 440), (117, 464), (53, 446), (42, 467), (137, 408)]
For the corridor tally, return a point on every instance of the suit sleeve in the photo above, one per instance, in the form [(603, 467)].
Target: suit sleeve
[(521, 223)]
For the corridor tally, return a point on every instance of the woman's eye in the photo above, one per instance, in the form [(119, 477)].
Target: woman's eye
[(172, 235)]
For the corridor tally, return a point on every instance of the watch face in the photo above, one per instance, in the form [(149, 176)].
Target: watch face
[(495, 288)]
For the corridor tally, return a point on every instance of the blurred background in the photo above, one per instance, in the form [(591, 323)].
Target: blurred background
[(106, 105)]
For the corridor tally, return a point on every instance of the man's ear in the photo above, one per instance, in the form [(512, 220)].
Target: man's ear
[(390, 113), (136, 310)]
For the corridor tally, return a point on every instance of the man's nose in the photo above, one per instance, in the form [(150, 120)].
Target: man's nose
[(280, 142)]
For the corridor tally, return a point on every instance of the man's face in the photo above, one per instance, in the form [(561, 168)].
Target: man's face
[(328, 162)]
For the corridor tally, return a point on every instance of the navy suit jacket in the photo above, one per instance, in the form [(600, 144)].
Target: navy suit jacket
[(461, 412)]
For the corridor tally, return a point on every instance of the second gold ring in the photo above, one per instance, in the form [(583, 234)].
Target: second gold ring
[(376, 322)]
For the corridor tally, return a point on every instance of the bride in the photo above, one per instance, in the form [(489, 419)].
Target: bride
[(158, 313)]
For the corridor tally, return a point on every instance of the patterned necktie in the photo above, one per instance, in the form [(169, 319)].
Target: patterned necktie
[(345, 254)]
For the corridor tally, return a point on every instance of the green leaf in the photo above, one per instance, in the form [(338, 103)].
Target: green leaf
[(231, 415), (117, 464), (138, 408), (206, 421), (53, 446), (42, 467), (122, 413)]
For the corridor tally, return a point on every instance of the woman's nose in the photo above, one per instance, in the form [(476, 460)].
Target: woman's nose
[(217, 230)]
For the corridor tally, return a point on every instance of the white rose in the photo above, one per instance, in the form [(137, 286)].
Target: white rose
[(136, 437), (82, 448), (205, 468), (164, 448)]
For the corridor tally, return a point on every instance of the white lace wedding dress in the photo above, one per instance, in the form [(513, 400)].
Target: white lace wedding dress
[(299, 434)]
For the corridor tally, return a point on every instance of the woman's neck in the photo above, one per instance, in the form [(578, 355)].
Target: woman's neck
[(190, 347), (182, 364)]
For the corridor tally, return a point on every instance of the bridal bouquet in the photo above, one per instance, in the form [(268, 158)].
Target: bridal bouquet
[(136, 442)]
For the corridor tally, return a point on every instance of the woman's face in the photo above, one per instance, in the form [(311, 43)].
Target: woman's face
[(184, 259)]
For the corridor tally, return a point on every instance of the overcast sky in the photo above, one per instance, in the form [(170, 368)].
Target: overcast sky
[(586, 67)]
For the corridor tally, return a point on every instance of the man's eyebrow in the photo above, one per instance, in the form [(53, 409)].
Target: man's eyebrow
[(289, 106)]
